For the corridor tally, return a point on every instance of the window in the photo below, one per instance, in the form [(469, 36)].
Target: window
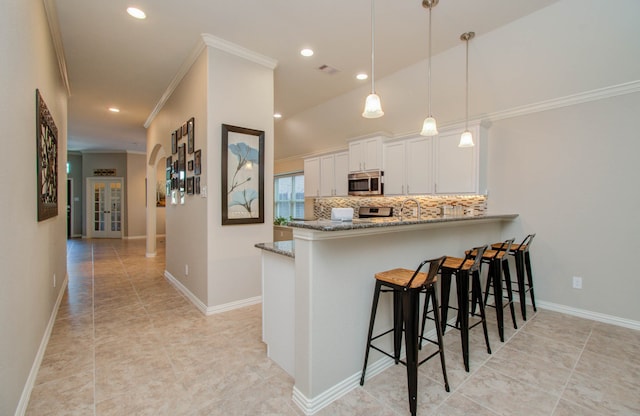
[(289, 195)]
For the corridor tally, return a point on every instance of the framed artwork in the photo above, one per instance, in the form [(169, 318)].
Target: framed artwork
[(175, 166), (197, 162), (184, 130), (190, 185), (190, 135), (182, 157), (197, 185), (47, 160), (174, 142), (242, 175), (169, 162), (190, 165)]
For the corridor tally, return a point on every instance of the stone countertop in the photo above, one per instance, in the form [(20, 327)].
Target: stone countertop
[(357, 223), (286, 248)]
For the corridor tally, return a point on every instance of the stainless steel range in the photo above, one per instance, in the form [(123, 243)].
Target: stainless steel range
[(375, 212)]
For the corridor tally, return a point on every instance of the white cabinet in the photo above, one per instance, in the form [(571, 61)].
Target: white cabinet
[(312, 177), (459, 170), (333, 174), (419, 162), (341, 174), (365, 154), (394, 168), (408, 167), (326, 175)]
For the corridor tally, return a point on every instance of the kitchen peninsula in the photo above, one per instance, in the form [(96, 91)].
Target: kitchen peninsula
[(317, 292)]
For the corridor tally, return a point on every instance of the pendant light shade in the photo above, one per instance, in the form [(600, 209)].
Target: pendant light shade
[(429, 126), (466, 139), (372, 105)]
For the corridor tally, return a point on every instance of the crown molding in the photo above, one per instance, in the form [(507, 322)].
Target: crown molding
[(56, 38), (213, 42), (569, 100), (188, 63), (237, 50)]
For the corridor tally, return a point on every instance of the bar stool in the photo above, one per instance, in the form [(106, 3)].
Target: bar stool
[(465, 269), (406, 286), (499, 267), (520, 252)]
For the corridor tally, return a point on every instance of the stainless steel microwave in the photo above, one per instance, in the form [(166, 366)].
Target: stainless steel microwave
[(368, 183)]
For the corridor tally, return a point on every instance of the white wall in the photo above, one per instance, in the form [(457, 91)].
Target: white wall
[(31, 252), (241, 94), (186, 225), (135, 188), (572, 175)]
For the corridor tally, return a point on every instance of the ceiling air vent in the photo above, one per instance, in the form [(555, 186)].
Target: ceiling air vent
[(327, 69)]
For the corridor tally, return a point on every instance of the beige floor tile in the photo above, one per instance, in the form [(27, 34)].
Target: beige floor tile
[(459, 405), (505, 395), (603, 394), (125, 341)]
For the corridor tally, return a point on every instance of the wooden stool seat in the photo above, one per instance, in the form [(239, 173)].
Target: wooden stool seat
[(493, 253), (402, 277), (457, 263)]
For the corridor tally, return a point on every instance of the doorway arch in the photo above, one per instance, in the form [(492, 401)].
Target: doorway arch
[(154, 156)]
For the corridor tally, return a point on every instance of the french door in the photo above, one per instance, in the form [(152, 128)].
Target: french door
[(104, 210)]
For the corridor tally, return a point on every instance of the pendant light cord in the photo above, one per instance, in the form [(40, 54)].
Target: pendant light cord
[(429, 63), (373, 47), (466, 118)]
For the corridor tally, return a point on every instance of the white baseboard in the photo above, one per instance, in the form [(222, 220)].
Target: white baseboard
[(594, 316), (210, 310), (31, 380)]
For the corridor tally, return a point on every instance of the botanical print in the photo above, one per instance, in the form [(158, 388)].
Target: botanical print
[(242, 184)]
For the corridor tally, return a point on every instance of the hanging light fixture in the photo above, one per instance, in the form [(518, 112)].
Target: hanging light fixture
[(429, 127), (372, 105), (466, 139)]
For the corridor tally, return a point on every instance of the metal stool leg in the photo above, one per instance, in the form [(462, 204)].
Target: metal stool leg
[(374, 308)]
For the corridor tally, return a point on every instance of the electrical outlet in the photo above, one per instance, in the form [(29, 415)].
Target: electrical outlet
[(577, 282), (186, 270)]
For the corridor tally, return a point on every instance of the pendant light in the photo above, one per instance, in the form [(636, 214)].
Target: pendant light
[(429, 127), (372, 105), (466, 140)]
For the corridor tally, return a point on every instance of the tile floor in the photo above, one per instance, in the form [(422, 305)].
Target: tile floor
[(125, 342)]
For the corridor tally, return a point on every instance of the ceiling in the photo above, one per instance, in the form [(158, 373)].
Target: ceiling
[(115, 60)]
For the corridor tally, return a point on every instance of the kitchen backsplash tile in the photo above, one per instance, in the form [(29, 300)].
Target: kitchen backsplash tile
[(431, 206)]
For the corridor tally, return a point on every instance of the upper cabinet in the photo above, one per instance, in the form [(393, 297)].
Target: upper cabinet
[(326, 175), (312, 177), (436, 165), (460, 170), (365, 154), (408, 167), (333, 174)]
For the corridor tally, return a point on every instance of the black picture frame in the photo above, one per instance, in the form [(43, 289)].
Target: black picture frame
[(197, 185), (190, 165), (47, 160), (197, 162), (184, 129), (190, 185), (191, 135), (174, 142), (242, 175)]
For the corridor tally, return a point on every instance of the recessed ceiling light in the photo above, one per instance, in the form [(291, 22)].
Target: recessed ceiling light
[(362, 76), (114, 109), (137, 13), (306, 52)]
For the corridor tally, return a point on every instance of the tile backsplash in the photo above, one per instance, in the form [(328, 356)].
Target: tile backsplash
[(432, 206)]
